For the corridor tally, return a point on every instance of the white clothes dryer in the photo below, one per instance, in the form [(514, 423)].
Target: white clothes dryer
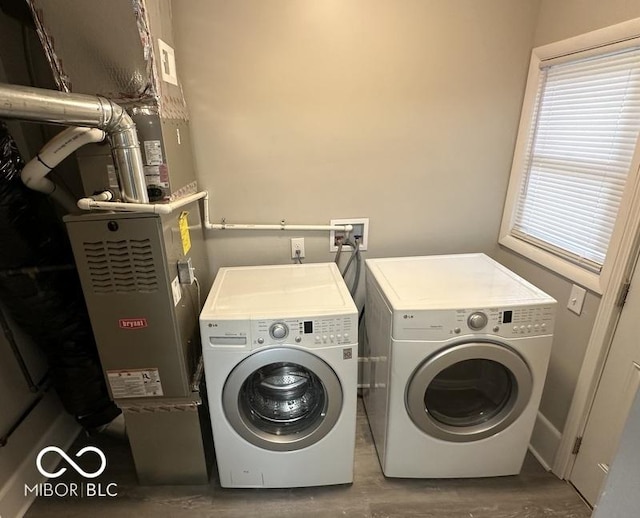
[(280, 356), (458, 347)]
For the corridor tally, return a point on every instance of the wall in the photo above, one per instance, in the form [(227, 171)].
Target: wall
[(561, 20), (403, 111), (558, 21)]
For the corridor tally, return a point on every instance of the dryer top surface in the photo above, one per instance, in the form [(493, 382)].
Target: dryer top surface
[(451, 282), (280, 290)]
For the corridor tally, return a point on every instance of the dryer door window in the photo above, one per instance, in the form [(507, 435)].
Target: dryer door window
[(282, 399), (469, 391)]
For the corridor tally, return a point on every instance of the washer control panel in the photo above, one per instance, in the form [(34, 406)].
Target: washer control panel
[(507, 322), (310, 332)]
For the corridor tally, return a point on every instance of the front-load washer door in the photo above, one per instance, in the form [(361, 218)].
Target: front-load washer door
[(469, 391), (282, 399)]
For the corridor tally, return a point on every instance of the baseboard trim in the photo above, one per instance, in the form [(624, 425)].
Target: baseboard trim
[(59, 429), (545, 441)]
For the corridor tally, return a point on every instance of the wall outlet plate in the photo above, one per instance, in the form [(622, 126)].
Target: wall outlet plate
[(361, 226), (576, 299), (297, 247)]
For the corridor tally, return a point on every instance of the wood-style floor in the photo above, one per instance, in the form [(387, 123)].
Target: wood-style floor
[(532, 494)]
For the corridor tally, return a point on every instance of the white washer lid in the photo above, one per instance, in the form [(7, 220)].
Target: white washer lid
[(451, 282), (280, 291)]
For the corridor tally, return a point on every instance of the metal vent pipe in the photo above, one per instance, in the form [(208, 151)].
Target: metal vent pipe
[(37, 104)]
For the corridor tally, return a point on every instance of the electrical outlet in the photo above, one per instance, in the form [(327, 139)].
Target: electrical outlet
[(185, 271), (360, 228), (297, 247)]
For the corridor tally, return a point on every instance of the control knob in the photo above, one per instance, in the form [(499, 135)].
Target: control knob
[(278, 331), (477, 320)]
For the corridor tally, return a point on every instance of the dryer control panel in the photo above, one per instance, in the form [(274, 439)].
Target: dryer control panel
[(506, 322)]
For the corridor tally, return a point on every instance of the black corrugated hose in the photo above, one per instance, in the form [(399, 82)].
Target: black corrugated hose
[(47, 304)]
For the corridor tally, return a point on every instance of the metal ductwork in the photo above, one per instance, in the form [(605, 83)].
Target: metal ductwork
[(40, 105), (123, 50)]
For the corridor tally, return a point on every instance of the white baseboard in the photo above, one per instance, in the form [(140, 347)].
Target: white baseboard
[(545, 441), (48, 424)]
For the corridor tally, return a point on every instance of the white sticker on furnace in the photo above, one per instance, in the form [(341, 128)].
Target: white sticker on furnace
[(135, 383), (112, 177), (176, 290), (153, 152)]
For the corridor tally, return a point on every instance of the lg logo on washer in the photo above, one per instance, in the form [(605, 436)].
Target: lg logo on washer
[(72, 489)]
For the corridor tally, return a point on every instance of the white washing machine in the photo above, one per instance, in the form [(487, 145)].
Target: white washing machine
[(281, 358), (458, 348)]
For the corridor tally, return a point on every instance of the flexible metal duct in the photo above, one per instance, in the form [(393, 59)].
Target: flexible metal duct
[(37, 104)]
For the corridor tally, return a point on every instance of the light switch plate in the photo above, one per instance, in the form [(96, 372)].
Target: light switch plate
[(576, 299)]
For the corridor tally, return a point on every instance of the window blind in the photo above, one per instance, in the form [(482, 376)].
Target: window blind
[(582, 142)]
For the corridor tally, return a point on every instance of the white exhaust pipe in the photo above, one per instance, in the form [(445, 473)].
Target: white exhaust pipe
[(34, 174)]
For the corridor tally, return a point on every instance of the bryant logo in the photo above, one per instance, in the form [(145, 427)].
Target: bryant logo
[(132, 323)]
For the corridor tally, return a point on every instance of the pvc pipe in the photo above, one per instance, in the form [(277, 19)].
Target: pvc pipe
[(103, 196), (250, 226), (282, 226), (168, 208), (155, 208), (55, 151)]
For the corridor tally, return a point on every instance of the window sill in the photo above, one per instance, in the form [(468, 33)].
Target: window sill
[(570, 271)]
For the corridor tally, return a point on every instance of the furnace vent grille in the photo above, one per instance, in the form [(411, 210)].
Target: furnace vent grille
[(121, 266)]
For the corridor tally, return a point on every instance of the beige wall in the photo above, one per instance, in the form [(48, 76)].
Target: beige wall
[(561, 20), (403, 111), (557, 21)]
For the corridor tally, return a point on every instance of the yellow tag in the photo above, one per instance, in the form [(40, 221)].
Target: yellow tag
[(184, 232)]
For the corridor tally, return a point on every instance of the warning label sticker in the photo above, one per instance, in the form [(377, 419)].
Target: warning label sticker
[(153, 152), (135, 383), (112, 177), (183, 224)]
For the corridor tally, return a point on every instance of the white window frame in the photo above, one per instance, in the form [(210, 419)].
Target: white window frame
[(623, 35)]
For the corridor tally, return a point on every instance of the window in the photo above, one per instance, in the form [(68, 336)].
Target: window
[(575, 156)]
